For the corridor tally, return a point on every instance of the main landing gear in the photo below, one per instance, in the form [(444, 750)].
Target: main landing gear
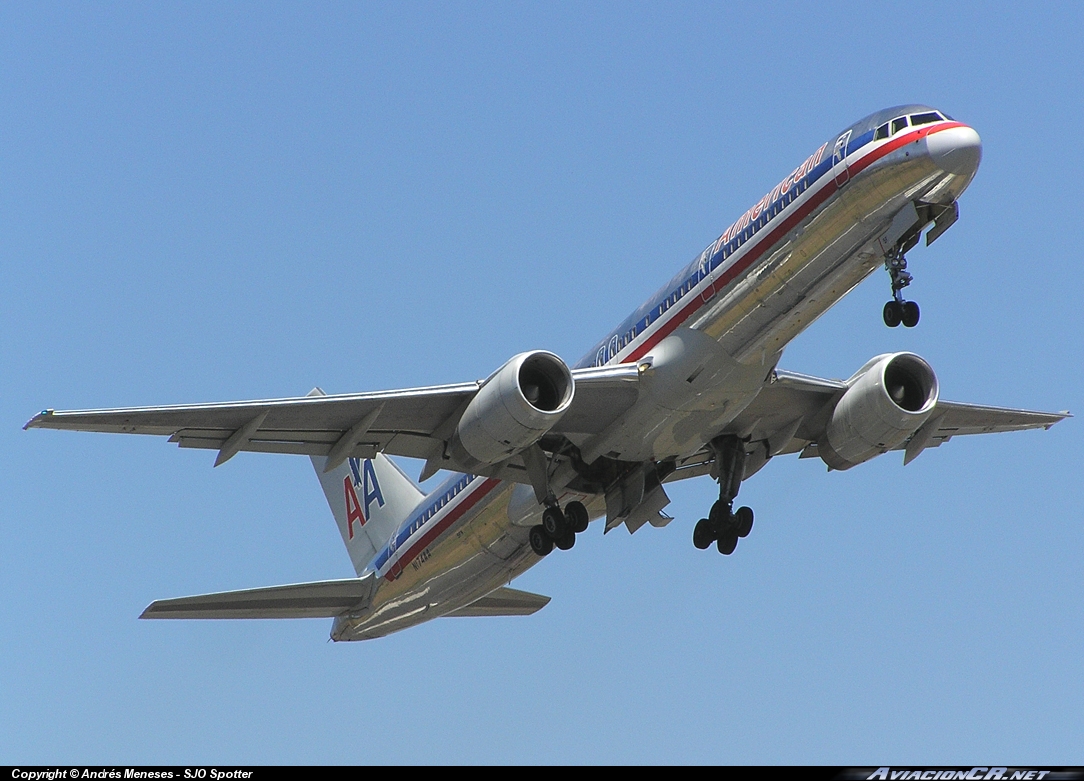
[(558, 528), (897, 310), (724, 525)]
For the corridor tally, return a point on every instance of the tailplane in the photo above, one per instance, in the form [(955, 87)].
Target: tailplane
[(323, 599)]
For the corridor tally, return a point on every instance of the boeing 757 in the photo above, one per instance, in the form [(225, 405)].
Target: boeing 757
[(687, 385)]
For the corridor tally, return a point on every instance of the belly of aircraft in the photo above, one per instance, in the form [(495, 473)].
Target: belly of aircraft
[(481, 553), (741, 335)]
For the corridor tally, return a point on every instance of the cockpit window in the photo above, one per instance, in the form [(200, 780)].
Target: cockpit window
[(898, 124), (925, 119), (882, 132)]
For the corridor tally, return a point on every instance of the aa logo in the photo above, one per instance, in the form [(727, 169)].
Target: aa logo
[(362, 477)]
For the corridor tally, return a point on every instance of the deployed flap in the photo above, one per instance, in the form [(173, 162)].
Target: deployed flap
[(504, 602), (322, 599), (406, 422), (649, 511)]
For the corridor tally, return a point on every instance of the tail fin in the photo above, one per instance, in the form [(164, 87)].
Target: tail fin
[(370, 498)]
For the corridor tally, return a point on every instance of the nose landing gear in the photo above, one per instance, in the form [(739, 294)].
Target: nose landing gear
[(898, 310), (558, 528), (725, 526)]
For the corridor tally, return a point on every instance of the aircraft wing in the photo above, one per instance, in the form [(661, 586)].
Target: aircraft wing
[(791, 412), (414, 422), (322, 599)]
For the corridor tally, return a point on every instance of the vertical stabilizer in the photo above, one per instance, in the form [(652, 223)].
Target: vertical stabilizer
[(370, 498)]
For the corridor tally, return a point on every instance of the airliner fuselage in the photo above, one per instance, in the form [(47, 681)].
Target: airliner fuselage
[(709, 340)]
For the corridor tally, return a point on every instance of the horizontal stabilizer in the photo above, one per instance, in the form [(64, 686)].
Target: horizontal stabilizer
[(504, 602), (322, 599)]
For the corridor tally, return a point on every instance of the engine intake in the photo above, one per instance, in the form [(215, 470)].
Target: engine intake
[(513, 409), (887, 401)]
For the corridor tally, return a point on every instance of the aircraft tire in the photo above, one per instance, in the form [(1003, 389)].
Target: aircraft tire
[(703, 536), (554, 522), (910, 314), (541, 542), (566, 541), (743, 517), (727, 543), (892, 314), (577, 516)]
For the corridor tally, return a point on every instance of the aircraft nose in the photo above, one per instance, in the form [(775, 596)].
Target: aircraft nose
[(956, 150)]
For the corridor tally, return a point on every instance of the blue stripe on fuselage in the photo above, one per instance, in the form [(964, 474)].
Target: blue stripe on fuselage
[(690, 279), (440, 498)]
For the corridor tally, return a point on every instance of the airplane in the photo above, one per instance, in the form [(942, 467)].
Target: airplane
[(687, 385)]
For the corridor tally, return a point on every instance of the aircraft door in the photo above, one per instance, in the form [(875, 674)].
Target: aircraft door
[(839, 159)]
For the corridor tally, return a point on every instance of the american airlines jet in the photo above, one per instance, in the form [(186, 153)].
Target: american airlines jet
[(687, 385)]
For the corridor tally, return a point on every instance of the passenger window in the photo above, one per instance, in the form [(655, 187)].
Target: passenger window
[(925, 119), (882, 132), (898, 124)]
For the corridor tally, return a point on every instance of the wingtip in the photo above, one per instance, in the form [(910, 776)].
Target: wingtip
[(35, 422), (1064, 414)]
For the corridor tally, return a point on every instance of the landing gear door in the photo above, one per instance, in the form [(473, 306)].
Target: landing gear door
[(839, 159)]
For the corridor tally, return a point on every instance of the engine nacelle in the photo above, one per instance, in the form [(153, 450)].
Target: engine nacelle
[(887, 401), (513, 409)]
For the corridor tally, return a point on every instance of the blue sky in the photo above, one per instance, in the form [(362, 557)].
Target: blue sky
[(202, 202)]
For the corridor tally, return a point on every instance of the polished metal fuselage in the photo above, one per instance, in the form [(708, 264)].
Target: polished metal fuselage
[(700, 372)]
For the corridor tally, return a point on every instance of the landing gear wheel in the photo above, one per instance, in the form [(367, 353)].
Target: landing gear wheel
[(743, 518), (577, 516), (541, 542), (703, 534), (729, 469), (567, 541), (910, 314), (728, 542), (554, 522), (893, 314)]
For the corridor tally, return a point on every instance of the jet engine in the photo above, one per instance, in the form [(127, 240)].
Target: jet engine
[(513, 409), (887, 401)]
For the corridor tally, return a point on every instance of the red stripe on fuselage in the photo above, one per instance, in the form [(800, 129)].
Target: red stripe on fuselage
[(769, 239), (396, 567)]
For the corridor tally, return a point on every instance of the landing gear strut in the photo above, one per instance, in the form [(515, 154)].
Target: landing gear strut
[(724, 525), (558, 528), (898, 310)]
